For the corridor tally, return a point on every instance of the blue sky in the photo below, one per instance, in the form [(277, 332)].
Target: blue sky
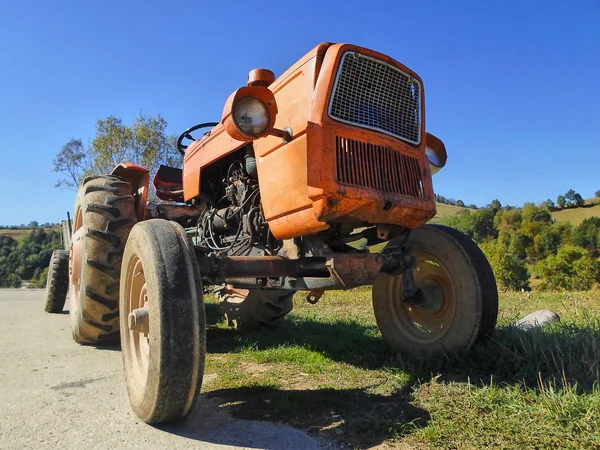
[(512, 87)]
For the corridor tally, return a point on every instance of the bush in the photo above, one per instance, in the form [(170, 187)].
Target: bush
[(571, 268), (509, 270), (587, 235)]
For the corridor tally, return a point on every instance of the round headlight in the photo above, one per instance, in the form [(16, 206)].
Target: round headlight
[(251, 115)]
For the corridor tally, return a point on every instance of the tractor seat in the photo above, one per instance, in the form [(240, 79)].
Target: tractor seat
[(168, 182)]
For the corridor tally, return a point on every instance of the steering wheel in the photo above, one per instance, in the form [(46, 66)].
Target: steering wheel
[(187, 135)]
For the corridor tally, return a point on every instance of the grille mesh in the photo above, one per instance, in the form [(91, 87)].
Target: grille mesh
[(373, 94), (377, 167)]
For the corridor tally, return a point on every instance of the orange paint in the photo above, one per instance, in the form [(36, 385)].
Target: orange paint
[(331, 172)]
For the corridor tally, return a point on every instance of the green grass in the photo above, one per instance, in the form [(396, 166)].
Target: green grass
[(329, 372)]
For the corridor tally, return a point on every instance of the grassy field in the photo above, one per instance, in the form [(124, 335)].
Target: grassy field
[(329, 372), (23, 232), (578, 215), (444, 210)]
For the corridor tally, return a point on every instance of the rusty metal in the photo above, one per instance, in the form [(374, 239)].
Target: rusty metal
[(336, 271), (314, 296)]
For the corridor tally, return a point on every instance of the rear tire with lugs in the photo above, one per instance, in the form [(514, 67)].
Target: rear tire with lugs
[(103, 217), (163, 329), (57, 283), (252, 308)]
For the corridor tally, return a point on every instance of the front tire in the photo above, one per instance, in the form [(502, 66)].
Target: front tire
[(163, 329), (461, 297)]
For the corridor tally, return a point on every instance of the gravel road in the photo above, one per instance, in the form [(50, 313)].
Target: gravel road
[(59, 395)]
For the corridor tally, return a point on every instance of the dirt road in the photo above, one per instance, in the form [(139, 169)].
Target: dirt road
[(57, 394)]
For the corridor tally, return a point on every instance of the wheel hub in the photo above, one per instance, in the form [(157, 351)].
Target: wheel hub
[(76, 261)]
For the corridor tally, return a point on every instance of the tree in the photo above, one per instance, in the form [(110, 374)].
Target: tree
[(496, 205), (571, 268), (73, 163), (483, 225), (509, 270), (472, 206), (460, 203), (561, 201), (14, 281), (574, 199), (587, 235), (145, 143), (579, 201), (597, 194), (549, 204)]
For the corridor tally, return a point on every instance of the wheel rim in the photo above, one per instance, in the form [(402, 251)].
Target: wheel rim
[(76, 260), (136, 301), (430, 321)]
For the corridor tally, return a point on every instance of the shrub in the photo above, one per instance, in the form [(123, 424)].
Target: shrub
[(571, 268)]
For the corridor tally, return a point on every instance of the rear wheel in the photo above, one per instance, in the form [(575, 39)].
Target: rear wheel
[(57, 283), (250, 308), (104, 215), (163, 330), (460, 306)]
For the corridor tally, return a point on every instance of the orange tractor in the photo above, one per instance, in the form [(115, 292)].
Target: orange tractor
[(268, 202)]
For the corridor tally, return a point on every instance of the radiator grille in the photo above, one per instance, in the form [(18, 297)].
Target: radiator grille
[(373, 94), (377, 167)]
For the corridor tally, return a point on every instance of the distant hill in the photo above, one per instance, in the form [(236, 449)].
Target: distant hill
[(22, 233), (444, 210), (578, 215)]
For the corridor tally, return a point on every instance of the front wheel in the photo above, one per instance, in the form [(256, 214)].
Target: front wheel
[(163, 330), (460, 305)]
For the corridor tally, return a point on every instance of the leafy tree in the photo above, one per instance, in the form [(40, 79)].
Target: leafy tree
[(509, 270), (549, 204), (483, 225), (532, 213), (472, 206), (460, 203), (561, 201), (587, 235), (145, 143), (73, 163), (496, 205), (574, 199), (571, 268), (597, 194), (14, 281)]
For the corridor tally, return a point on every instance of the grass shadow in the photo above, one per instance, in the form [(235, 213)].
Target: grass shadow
[(341, 341), (357, 417), (567, 352)]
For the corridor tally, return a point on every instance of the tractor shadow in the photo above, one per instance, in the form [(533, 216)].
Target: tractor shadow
[(562, 352), (320, 417)]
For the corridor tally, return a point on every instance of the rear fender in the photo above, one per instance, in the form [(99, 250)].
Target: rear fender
[(139, 179)]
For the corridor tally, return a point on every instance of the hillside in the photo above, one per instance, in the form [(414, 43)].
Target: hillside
[(22, 233), (578, 215), (444, 210)]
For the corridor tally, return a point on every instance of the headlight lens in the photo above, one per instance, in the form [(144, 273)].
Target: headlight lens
[(435, 163), (251, 115)]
